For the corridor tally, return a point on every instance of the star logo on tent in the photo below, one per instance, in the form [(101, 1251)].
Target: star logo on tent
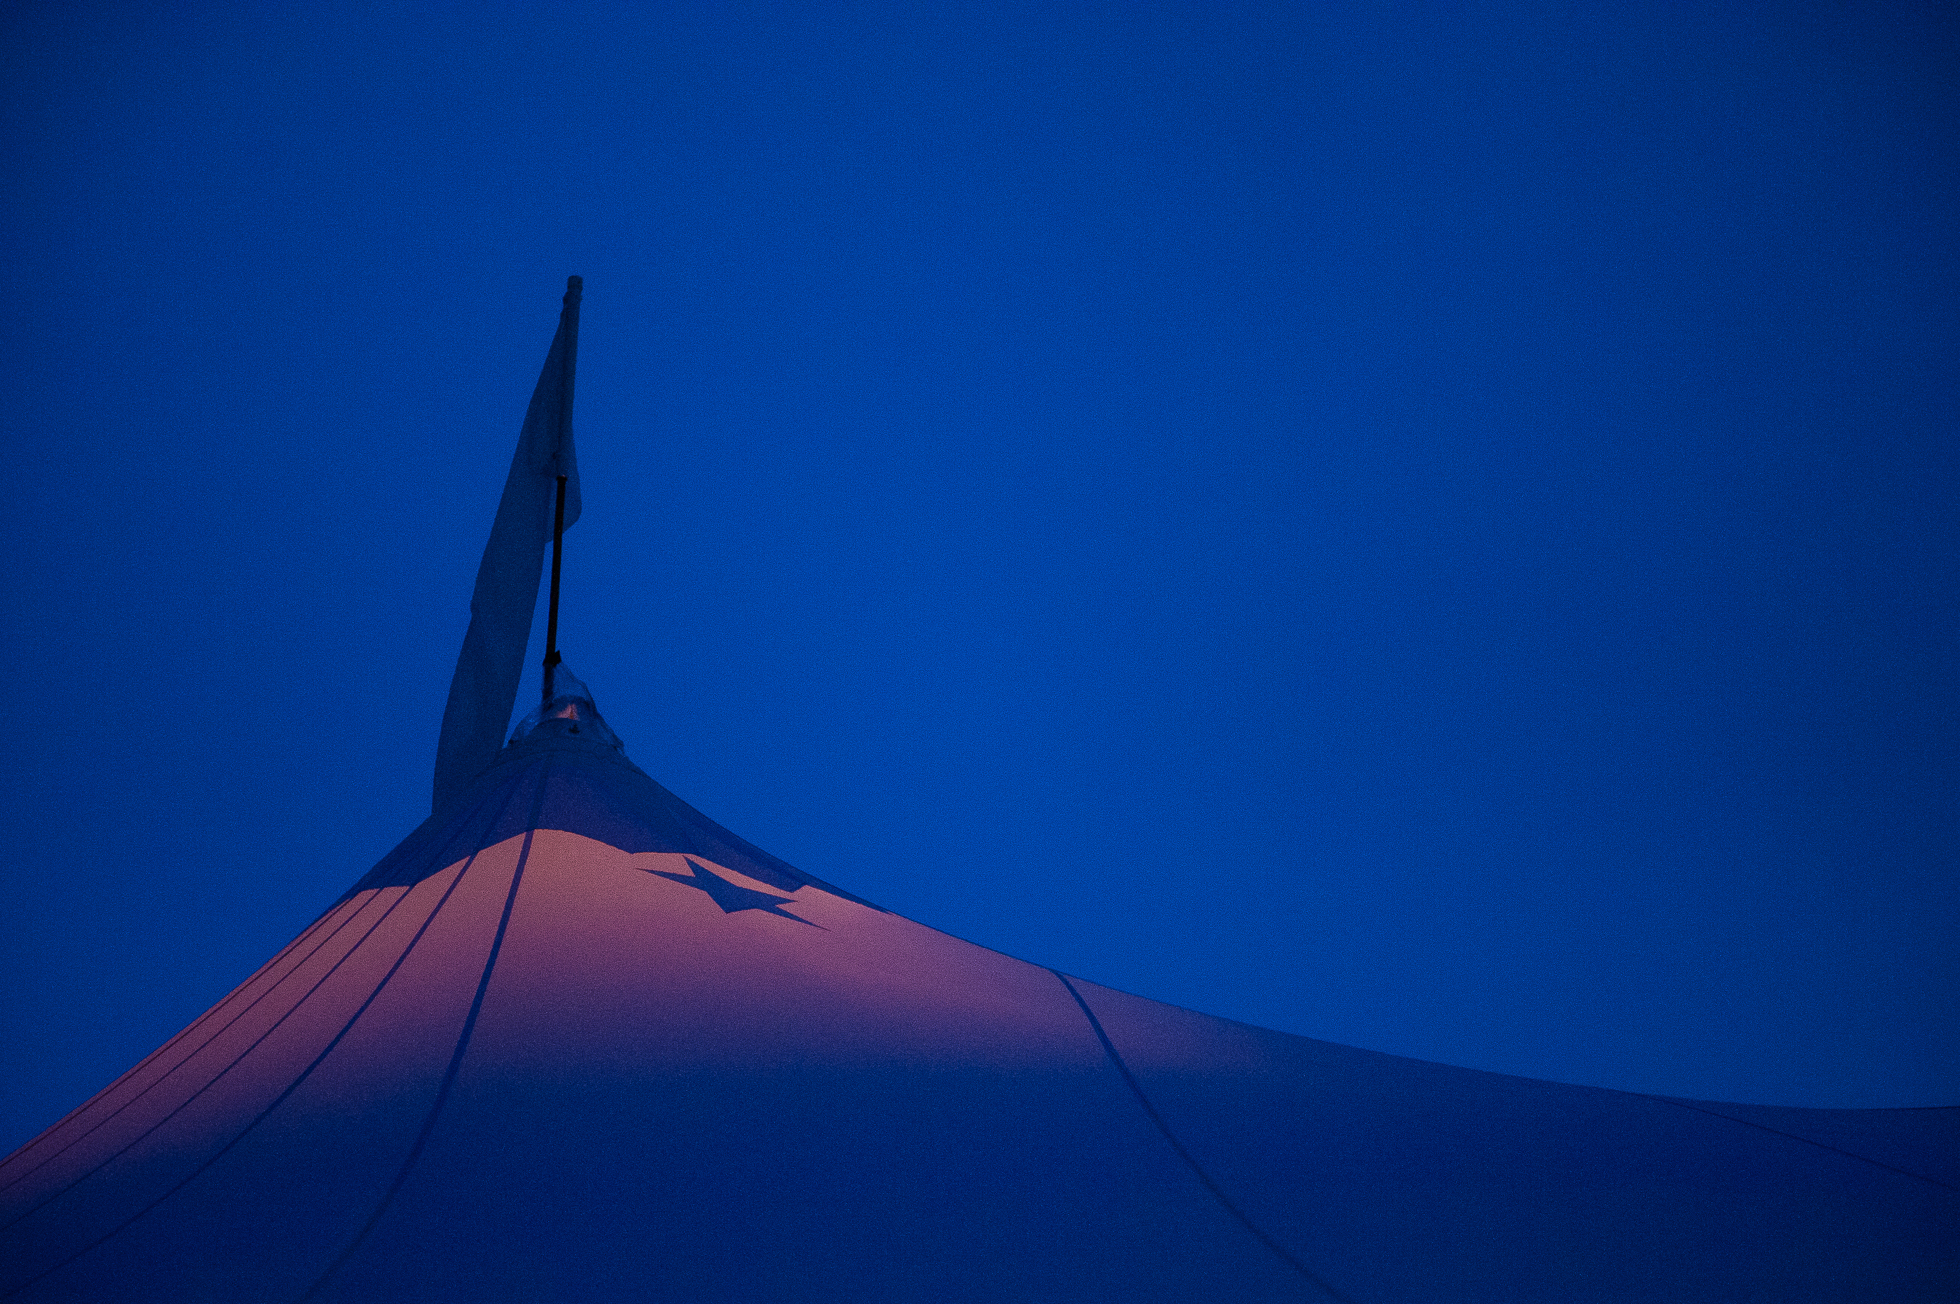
[(731, 896)]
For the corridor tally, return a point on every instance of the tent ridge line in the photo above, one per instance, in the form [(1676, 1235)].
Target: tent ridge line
[(210, 1082), (462, 1045), (1217, 1192), (291, 1087), (1821, 1145), (47, 1133), (163, 1077)]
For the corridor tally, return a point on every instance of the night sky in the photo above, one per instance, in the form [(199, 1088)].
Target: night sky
[(1431, 526)]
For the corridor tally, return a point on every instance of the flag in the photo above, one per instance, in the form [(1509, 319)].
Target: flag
[(506, 597)]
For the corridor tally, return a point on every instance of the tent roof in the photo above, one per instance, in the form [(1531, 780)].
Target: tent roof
[(574, 1040)]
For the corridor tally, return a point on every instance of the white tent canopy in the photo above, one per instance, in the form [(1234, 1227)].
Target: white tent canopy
[(573, 1040)]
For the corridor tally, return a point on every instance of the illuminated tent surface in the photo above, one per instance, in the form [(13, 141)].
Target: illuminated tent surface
[(572, 1040)]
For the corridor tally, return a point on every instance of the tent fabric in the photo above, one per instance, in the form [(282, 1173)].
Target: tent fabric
[(575, 1041), (491, 663)]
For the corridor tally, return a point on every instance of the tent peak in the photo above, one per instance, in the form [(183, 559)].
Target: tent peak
[(569, 710)]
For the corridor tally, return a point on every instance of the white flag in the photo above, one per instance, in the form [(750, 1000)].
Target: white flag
[(492, 661)]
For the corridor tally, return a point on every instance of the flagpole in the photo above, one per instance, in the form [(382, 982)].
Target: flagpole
[(574, 291), (551, 657)]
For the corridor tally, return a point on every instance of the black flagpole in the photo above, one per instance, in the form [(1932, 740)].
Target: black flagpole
[(574, 288), (551, 657)]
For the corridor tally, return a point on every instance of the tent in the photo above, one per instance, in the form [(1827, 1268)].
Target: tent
[(573, 1040)]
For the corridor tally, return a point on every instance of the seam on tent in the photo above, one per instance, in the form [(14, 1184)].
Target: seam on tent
[(1217, 1192), (165, 1076), (455, 1059), (190, 1028), (281, 1099), (1821, 1145), (213, 1081)]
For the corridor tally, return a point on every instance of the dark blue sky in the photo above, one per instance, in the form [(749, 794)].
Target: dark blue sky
[(1429, 526)]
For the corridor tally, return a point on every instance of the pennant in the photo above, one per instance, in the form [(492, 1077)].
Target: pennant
[(484, 689)]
